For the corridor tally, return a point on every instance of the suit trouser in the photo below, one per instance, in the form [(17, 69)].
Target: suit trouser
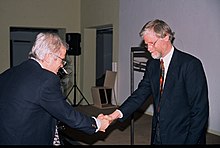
[(157, 138)]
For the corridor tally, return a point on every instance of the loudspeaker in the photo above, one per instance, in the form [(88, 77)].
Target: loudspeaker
[(73, 39)]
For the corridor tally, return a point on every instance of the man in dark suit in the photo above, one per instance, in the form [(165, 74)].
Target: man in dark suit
[(181, 110), (31, 99)]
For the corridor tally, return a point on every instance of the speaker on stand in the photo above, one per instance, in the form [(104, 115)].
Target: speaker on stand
[(74, 39)]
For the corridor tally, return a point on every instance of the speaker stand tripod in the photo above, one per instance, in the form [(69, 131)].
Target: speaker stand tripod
[(75, 87)]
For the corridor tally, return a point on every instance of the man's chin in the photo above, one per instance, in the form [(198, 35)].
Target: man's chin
[(155, 56)]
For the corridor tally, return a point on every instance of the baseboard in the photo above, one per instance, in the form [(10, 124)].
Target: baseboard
[(214, 132), (149, 113), (106, 106)]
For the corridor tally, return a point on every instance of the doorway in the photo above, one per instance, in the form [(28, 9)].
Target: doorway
[(104, 44), (22, 39)]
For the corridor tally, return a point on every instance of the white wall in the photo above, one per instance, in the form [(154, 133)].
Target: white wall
[(95, 14), (196, 27)]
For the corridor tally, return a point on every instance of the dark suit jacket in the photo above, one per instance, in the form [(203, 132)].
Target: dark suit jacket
[(30, 100), (184, 103)]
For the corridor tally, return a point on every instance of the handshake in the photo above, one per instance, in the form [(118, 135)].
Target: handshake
[(106, 120)]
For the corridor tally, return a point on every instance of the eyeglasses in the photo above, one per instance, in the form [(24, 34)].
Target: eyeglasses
[(151, 43), (63, 61)]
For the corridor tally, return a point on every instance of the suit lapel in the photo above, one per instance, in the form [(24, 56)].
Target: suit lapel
[(170, 77), (155, 78)]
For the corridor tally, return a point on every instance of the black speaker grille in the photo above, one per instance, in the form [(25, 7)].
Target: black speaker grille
[(73, 39)]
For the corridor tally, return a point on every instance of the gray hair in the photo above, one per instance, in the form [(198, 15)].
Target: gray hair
[(160, 28), (46, 43)]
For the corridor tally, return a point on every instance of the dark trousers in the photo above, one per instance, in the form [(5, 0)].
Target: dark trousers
[(157, 138)]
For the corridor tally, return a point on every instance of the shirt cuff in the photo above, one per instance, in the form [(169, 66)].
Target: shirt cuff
[(98, 123), (121, 115)]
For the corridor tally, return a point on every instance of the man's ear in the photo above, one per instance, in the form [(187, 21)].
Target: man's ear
[(166, 38), (47, 58)]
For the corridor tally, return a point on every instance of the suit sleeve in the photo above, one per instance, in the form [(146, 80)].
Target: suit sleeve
[(55, 104), (138, 97), (197, 92)]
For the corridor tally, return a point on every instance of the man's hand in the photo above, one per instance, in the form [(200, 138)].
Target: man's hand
[(115, 115), (105, 121)]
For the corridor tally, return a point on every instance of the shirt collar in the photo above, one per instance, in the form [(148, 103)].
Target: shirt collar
[(37, 61), (167, 58)]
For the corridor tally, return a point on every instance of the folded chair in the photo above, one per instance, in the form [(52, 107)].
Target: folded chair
[(109, 84)]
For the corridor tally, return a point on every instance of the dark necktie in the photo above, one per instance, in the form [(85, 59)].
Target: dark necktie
[(162, 69)]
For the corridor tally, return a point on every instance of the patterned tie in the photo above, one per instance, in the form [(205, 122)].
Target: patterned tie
[(162, 69), (161, 76), (56, 140)]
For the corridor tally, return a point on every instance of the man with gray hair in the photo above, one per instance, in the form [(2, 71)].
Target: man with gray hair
[(178, 84), (31, 100)]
